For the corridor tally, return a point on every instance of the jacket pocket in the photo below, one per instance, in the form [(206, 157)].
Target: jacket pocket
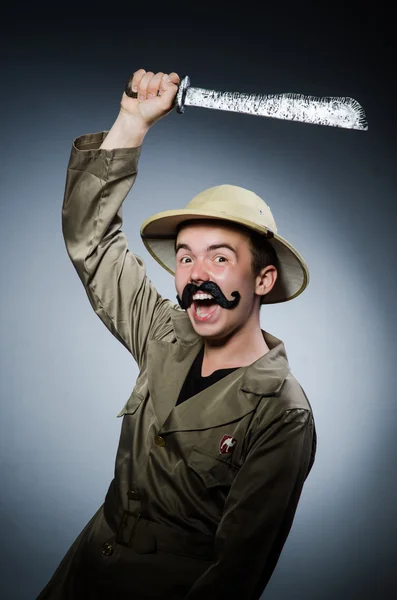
[(213, 471), (132, 404)]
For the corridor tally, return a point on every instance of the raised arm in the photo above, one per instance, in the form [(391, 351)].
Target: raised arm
[(156, 93), (101, 171)]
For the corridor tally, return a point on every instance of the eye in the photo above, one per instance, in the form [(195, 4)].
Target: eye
[(181, 260)]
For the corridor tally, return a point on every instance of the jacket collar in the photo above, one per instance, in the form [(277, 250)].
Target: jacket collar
[(265, 376), (169, 364)]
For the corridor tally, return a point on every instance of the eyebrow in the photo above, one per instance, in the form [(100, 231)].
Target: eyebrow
[(209, 248)]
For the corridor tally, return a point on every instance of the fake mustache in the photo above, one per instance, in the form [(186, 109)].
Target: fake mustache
[(210, 288)]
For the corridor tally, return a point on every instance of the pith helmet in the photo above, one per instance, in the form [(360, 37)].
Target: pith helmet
[(234, 204)]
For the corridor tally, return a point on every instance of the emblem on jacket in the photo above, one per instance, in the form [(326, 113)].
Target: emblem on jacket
[(227, 444)]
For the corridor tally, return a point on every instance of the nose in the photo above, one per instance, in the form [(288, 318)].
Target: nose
[(199, 272)]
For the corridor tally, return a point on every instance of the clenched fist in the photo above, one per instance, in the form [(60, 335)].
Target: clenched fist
[(156, 94)]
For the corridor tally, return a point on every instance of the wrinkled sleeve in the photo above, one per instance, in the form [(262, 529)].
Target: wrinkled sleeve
[(259, 510), (115, 280)]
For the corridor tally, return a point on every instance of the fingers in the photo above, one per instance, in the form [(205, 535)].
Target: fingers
[(143, 85), (149, 85), (136, 80), (175, 78), (169, 83), (154, 85)]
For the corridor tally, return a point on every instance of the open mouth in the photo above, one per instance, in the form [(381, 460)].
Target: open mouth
[(204, 309)]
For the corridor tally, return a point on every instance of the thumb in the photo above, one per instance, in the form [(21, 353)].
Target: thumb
[(168, 91)]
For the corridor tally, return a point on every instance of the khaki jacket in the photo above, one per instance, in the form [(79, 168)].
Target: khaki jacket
[(171, 466)]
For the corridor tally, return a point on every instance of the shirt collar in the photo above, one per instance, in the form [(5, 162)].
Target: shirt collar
[(264, 377)]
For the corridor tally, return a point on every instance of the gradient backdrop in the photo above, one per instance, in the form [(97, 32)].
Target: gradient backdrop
[(64, 377)]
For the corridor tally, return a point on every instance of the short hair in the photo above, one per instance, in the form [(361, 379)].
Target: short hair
[(262, 252)]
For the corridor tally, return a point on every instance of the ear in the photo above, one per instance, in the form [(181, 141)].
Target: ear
[(265, 280)]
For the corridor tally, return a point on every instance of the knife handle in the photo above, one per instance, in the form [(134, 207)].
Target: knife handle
[(180, 97)]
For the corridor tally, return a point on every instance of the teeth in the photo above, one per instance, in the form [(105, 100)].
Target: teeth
[(202, 296), (201, 314)]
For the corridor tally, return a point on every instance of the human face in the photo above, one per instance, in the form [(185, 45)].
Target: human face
[(229, 268)]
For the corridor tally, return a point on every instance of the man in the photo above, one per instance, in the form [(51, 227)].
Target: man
[(217, 436)]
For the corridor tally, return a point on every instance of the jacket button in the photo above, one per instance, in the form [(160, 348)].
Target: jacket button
[(159, 440), (107, 549), (133, 495)]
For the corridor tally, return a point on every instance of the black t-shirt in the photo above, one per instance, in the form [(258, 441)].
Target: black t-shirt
[(195, 383)]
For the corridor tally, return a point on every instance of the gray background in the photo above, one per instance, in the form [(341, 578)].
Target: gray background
[(64, 377)]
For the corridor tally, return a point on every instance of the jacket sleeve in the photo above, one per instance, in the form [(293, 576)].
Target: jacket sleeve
[(115, 280), (259, 510)]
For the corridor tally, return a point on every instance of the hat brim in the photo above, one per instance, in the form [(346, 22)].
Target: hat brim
[(158, 234)]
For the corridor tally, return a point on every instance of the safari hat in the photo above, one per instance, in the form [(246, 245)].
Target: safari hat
[(234, 204)]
